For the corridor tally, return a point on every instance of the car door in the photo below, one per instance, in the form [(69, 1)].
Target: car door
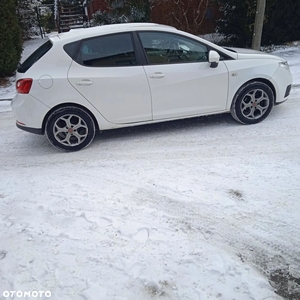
[(106, 72), (181, 79)]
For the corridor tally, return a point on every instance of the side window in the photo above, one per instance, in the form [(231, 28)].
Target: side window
[(71, 48), (169, 48), (107, 51)]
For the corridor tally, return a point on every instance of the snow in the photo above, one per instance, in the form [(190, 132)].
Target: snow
[(202, 208)]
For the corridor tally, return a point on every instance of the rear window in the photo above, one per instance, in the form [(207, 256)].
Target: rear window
[(34, 57)]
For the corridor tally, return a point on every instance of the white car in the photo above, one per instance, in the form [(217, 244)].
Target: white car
[(122, 75)]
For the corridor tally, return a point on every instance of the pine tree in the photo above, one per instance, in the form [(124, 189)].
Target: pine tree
[(281, 23), (28, 17), (10, 36), (236, 22)]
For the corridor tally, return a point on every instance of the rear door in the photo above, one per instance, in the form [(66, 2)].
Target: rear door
[(106, 72)]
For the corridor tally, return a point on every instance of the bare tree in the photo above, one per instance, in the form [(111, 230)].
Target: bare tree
[(258, 25), (187, 14)]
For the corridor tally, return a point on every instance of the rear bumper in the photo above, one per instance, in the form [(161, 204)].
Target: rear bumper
[(29, 113), (30, 129)]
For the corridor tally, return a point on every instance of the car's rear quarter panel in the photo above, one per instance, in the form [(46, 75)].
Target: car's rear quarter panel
[(56, 64)]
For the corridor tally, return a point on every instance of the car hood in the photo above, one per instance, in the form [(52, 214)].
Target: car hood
[(243, 53)]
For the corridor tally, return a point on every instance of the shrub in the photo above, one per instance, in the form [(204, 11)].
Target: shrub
[(10, 36), (123, 12)]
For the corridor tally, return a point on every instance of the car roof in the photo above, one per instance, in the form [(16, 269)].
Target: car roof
[(77, 34)]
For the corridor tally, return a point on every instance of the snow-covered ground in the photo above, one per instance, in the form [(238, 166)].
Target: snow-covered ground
[(203, 208)]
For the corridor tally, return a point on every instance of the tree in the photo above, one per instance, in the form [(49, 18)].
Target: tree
[(124, 11), (27, 17), (259, 23), (10, 36), (236, 22), (187, 15), (132, 10), (281, 21)]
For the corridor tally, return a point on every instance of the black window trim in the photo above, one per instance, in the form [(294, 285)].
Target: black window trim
[(141, 55), (226, 57)]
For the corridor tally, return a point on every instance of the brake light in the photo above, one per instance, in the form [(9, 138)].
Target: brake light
[(23, 86)]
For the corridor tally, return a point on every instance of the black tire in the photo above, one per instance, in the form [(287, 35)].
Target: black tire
[(252, 103), (70, 128)]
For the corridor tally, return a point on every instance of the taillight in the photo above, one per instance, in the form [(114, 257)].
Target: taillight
[(23, 86)]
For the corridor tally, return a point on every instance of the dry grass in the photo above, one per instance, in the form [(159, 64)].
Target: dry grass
[(236, 193), (4, 82)]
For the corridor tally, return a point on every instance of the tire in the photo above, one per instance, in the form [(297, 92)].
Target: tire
[(252, 103), (70, 128)]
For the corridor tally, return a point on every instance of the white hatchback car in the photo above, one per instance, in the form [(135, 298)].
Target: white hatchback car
[(131, 74)]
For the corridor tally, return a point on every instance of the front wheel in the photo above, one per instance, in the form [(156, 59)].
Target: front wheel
[(70, 128), (252, 103)]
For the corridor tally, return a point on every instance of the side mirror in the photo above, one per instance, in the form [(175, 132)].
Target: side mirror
[(213, 58)]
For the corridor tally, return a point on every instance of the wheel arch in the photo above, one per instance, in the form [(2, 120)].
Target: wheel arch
[(263, 80), (66, 105)]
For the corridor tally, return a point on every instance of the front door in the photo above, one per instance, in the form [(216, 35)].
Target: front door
[(181, 80)]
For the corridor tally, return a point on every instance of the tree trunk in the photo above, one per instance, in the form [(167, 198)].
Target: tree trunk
[(258, 25)]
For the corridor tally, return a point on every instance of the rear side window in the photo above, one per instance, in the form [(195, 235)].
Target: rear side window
[(34, 57), (71, 49), (114, 50)]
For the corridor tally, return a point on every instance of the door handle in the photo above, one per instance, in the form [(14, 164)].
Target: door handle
[(84, 82), (157, 75)]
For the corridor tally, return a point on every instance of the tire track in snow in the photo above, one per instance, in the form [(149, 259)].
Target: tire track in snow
[(258, 249)]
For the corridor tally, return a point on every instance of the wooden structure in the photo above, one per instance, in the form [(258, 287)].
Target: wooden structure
[(195, 16), (69, 15)]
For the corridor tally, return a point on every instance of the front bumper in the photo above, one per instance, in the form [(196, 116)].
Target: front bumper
[(282, 80), (286, 96)]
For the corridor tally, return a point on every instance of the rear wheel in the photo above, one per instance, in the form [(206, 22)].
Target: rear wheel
[(252, 103), (70, 128)]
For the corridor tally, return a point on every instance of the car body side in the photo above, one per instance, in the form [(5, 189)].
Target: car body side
[(52, 89)]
